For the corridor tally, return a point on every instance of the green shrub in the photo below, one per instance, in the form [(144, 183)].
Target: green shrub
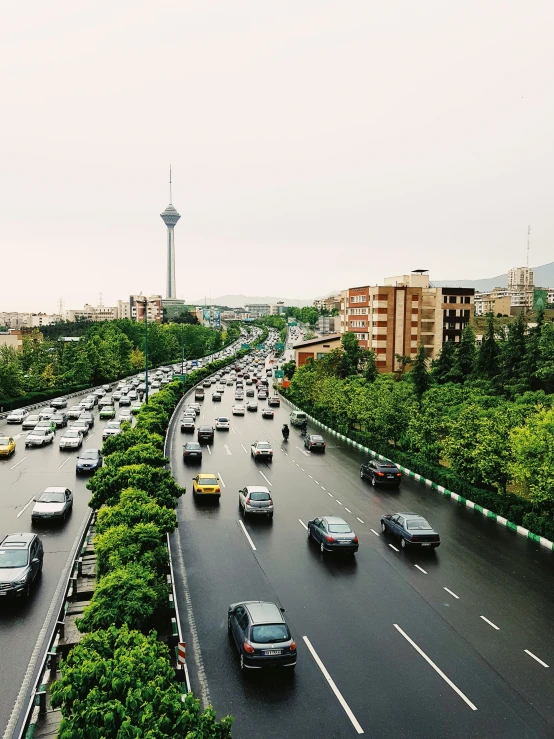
[(134, 595), (123, 545), (108, 482), (134, 507), (119, 684), (130, 438), (139, 454)]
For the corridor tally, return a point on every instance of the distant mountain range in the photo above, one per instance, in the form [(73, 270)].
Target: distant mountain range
[(239, 301), (544, 277)]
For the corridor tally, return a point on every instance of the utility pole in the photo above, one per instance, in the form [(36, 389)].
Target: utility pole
[(144, 302)]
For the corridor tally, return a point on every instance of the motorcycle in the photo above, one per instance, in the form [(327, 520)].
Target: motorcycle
[(285, 432)]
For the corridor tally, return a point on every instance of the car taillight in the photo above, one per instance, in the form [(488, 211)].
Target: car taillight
[(398, 474), (355, 540), (293, 646), (257, 452), (247, 501), (248, 648), (185, 454), (330, 540), (270, 502), (436, 538), (380, 474), (409, 537)]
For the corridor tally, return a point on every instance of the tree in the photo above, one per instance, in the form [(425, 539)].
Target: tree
[(403, 360), (134, 507), (532, 457), (420, 374), (444, 367), (11, 374), (487, 359), (467, 354), (137, 359), (545, 361), (289, 368), (122, 545), (370, 370), (119, 683), (138, 454), (351, 355), (512, 354), (108, 482)]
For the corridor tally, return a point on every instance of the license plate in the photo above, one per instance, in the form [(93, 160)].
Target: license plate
[(390, 476), (3, 593), (345, 541), (425, 544), (272, 651)]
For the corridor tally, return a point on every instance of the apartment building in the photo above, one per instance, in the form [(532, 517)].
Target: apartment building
[(331, 303), (520, 278), (91, 313), (138, 304), (394, 318), (256, 310), (27, 320)]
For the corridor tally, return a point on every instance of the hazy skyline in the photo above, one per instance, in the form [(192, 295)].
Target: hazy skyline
[(314, 144)]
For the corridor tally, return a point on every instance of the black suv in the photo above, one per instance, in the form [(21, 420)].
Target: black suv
[(380, 472), (206, 434), (21, 557)]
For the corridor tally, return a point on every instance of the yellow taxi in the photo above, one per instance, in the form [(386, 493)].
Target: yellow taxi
[(7, 446), (206, 484)]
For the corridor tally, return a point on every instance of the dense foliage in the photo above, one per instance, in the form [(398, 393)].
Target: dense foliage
[(480, 420)]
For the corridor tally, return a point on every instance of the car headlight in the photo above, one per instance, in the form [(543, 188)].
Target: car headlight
[(17, 583)]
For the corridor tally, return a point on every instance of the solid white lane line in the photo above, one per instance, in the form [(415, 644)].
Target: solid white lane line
[(436, 668), (333, 687), (330, 495), (420, 569), (359, 519), (302, 523), (65, 460), (209, 450), (375, 532), (24, 509), (247, 535), (221, 480), (15, 465), (452, 594), (323, 488), (534, 656), (393, 547), (265, 478), (311, 478), (490, 623), (242, 445), (338, 501)]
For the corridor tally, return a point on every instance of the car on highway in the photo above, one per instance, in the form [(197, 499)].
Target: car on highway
[(256, 500), (81, 426), (125, 400), (87, 404), (297, 418), (206, 483), (46, 424), (262, 395), (205, 434), (59, 403), (220, 389), (75, 411), (381, 472), (250, 392), (107, 411), (261, 635), (333, 534), (125, 415), (412, 529), (54, 503), (89, 460), (192, 452), (59, 419), (7, 446), (196, 407), (315, 443), (135, 408), (112, 428), (21, 558), (116, 395), (39, 437), (238, 410), (216, 397), (189, 413), (199, 394), (30, 422), (274, 401), (207, 383), (87, 418), (267, 413), (261, 450), (17, 416), (222, 423), (72, 438), (187, 425), (252, 406), (46, 413), (106, 388)]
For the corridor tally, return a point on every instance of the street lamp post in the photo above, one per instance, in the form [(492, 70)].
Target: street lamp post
[(144, 302)]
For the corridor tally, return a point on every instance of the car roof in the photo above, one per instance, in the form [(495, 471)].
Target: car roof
[(262, 612), (408, 514), (257, 489), (207, 474), (22, 539), (54, 490), (334, 519)]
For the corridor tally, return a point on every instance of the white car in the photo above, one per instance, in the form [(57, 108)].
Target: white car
[(220, 389), (71, 439), (53, 503), (87, 404), (262, 450), (222, 423), (39, 437), (17, 416), (125, 415), (112, 428)]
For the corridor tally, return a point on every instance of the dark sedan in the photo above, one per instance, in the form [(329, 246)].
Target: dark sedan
[(192, 452), (315, 443), (379, 472), (412, 529), (333, 534), (206, 434), (89, 461), (216, 397)]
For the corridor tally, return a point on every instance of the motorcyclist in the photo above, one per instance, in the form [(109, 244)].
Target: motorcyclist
[(285, 431), (304, 427)]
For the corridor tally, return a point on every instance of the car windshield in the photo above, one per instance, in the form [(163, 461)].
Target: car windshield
[(10, 558), (40, 432), (4, 441), (207, 481), (270, 633), (223, 420), (192, 446), (389, 467), (260, 496), (89, 454), (317, 438), (339, 528), (71, 434), (264, 445), (418, 524), (51, 498)]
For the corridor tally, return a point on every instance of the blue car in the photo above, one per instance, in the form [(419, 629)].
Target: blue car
[(412, 529)]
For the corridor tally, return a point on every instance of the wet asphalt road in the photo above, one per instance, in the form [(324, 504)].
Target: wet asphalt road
[(382, 624)]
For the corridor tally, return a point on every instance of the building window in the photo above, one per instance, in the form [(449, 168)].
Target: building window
[(320, 355), (361, 337), (358, 298)]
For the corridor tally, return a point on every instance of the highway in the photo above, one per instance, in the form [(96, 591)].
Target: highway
[(414, 644)]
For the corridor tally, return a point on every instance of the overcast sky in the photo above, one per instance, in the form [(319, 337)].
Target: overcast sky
[(315, 145)]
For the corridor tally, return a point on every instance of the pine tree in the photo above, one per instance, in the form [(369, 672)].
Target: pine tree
[(370, 372), (467, 353), (487, 359), (512, 355), (444, 365), (420, 373)]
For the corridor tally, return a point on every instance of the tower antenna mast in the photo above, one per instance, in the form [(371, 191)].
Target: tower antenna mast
[(170, 196)]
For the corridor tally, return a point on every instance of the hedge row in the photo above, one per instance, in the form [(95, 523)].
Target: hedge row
[(513, 507), (119, 681)]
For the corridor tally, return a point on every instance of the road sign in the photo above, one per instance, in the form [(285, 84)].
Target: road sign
[(292, 323), (245, 346), (279, 374), (179, 377), (182, 652), (279, 347)]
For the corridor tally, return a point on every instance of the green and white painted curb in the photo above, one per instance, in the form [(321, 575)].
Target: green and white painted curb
[(546, 543)]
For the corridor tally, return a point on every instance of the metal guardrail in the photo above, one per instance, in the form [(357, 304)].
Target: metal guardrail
[(43, 659)]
